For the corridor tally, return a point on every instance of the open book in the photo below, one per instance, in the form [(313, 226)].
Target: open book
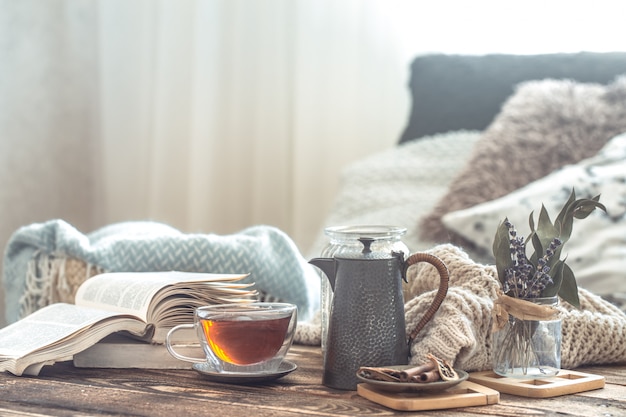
[(143, 304)]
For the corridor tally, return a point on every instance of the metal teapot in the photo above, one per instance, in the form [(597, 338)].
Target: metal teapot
[(366, 325)]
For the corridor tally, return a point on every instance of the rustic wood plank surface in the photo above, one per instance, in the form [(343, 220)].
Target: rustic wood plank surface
[(62, 390)]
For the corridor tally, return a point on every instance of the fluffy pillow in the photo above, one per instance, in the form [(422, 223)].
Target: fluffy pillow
[(544, 126), (596, 251), (398, 186)]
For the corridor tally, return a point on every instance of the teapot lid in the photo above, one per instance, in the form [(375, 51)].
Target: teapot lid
[(366, 242), (377, 232)]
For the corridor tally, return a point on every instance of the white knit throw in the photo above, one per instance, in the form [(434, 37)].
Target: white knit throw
[(460, 331)]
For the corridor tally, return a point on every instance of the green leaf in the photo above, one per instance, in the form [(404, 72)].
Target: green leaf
[(556, 273), (533, 238), (531, 221), (585, 207), (537, 248), (578, 209), (502, 250), (545, 224), (545, 230), (569, 290), (560, 218)]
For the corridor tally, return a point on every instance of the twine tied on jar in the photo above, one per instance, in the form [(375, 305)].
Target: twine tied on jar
[(519, 308)]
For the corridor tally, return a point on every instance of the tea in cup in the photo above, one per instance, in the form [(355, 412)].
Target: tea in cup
[(241, 338)]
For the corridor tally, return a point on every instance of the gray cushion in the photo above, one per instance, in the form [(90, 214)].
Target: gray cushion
[(454, 92)]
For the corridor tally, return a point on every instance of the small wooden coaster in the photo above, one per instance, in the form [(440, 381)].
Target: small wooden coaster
[(566, 382), (465, 394)]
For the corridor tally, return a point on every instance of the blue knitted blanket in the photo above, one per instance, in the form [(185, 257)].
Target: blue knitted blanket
[(275, 265)]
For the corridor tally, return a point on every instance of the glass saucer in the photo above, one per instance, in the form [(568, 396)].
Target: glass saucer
[(204, 369)]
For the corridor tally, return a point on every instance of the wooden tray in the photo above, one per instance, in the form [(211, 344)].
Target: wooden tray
[(566, 382), (465, 394)]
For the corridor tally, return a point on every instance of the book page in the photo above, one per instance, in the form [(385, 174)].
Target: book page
[(133, 292), (46, 327), (177, 308), (57, 332)]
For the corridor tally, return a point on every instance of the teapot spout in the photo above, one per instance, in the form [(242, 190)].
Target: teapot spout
[(328, 267)]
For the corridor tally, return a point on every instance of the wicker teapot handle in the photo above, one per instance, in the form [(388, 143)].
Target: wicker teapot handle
[(441, 293)]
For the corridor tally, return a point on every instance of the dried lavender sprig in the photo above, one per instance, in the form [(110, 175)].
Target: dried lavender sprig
[(522, 278), (518, 246), (518, 274), (541, 278)]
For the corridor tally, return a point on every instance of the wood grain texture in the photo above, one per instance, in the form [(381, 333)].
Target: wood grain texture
[(63, 390), (566, 382), (466, 394)]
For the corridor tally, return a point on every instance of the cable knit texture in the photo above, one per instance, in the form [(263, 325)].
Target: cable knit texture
[(460, 332)]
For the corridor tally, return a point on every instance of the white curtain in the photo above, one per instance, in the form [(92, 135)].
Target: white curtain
[(49, 113), (214, 115), (210, 116)]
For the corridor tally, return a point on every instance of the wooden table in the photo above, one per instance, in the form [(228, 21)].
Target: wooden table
[(62, 390)]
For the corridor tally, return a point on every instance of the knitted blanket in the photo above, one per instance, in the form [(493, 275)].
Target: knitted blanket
[(460, 331), (42, 261)]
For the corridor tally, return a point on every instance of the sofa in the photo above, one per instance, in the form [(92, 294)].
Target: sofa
[(498, 136)]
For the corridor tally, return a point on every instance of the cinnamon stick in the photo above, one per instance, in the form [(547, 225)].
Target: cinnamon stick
[(409, 374), (380, 374), (429, 376)]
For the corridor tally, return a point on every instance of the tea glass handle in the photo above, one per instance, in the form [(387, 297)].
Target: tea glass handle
[(444, 278), (170, 348)]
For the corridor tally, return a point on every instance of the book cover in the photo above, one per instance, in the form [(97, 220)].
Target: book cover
[(119, 351)]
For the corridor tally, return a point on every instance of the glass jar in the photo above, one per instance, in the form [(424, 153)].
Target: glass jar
[(344, 240), (528, 348)]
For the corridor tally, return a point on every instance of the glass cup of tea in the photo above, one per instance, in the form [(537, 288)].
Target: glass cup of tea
[(241, 338)]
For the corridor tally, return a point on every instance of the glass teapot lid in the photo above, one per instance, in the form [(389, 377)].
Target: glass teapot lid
[(365, 241)]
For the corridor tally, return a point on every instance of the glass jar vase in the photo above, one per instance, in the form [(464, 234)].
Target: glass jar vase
[(528, 348)]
